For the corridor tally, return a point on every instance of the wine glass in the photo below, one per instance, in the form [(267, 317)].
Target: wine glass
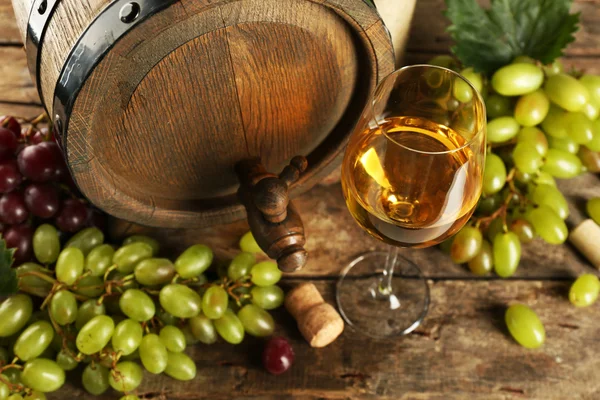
[(411, 176)]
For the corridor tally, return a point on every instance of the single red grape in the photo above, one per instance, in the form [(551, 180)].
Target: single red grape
[(41, 162), (10, 177), (72, 216), (19, 237), (8, 142), (42, 199), (12, 208), (11, 123), (278, 355), (39, 137)]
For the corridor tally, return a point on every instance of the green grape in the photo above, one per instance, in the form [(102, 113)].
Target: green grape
[(88, 310), (240, 265), (552, 69), (173, 338), (584, 291), (89, 286), (194, 261), (4, 390), (69, 265), (35, 395), (589, 159), (248, 244), (46, 244), (230, 327), (15, 396), (550, 196), (523, 60), (130, 397), (494, 175), (190, 339), (507, 253), (126, 376), (517, 79), (43, 375), (461, 90), (165, 317), (526, 158), (95, 379), (567, 92), (180, 301), (580, 127), (523, 229), (592, 84), (214, 302), (125, 279), (127, 336), (494, 228), (532, 108), (86, 240), (561, 164), (256, 321), (99, 259), (180, 367), (525, 326), (535, 137), (63, 307), (137, 305), (66, 361), (483, 262), (593, 209), (203, 329), (128, 256), (132, 357), (13, 375), (95, 334), (153, 354), (267, 297), (502, 129), (144, 239), (594, 144), (265, 273), (489, 204), (591, 110), (548, 225), (34, 340), (544, 178), (14, 314), (154, 271), (498, 106), (466, 245), (565, 144), (33, 281), (445, 61), (555, 123)]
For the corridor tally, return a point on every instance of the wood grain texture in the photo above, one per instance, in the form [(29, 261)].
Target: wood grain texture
[(15, 83), (462, 351)]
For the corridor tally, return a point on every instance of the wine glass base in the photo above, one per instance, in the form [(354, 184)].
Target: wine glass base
[(373, 311)]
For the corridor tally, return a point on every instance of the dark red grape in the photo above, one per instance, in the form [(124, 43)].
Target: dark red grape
[(38, 137), (72, 216), (42, 199), (278, 356), (8, 142), (19, 237), (41, 162), (11, 123), (12, 208), (10, 177)]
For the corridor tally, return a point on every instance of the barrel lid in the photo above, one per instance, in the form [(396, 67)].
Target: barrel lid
[(157, 128)]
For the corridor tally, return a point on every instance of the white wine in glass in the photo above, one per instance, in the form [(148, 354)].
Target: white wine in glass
[(412, 176)]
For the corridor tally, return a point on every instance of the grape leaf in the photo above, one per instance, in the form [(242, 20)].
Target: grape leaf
[(370, 3), (490, 39), (8, 276)]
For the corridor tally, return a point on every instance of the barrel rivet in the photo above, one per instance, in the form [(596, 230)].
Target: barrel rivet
[(129, 12), (43, 7)]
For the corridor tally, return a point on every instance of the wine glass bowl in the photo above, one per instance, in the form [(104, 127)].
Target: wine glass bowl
[(411, 177)]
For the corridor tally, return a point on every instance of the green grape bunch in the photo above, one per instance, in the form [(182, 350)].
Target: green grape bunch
[(542, 125), (121, 310)]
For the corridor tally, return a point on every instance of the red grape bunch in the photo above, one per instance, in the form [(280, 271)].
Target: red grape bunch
[(35, 185)]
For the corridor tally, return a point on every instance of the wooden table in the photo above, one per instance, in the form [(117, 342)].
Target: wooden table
[(462, 351)]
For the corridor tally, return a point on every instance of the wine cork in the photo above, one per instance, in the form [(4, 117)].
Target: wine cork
[(586, 238), (319, 322)]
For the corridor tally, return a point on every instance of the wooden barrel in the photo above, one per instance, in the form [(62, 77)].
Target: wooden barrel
[(156, 101)]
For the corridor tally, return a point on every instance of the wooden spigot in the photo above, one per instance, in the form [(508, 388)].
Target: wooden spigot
[(274, 222)]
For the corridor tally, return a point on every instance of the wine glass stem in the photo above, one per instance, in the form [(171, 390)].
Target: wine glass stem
[(385, 286)]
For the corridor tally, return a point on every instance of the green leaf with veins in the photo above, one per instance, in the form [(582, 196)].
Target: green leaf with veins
[(490, 39), (8, 276)]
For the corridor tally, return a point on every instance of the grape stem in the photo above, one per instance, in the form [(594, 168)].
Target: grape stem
[(12, 387)]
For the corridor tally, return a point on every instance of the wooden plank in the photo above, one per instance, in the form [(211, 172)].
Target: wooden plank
[(20, 110), (333, 239), (9, 33), (15, 83), (463, 351), (428, 31)]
